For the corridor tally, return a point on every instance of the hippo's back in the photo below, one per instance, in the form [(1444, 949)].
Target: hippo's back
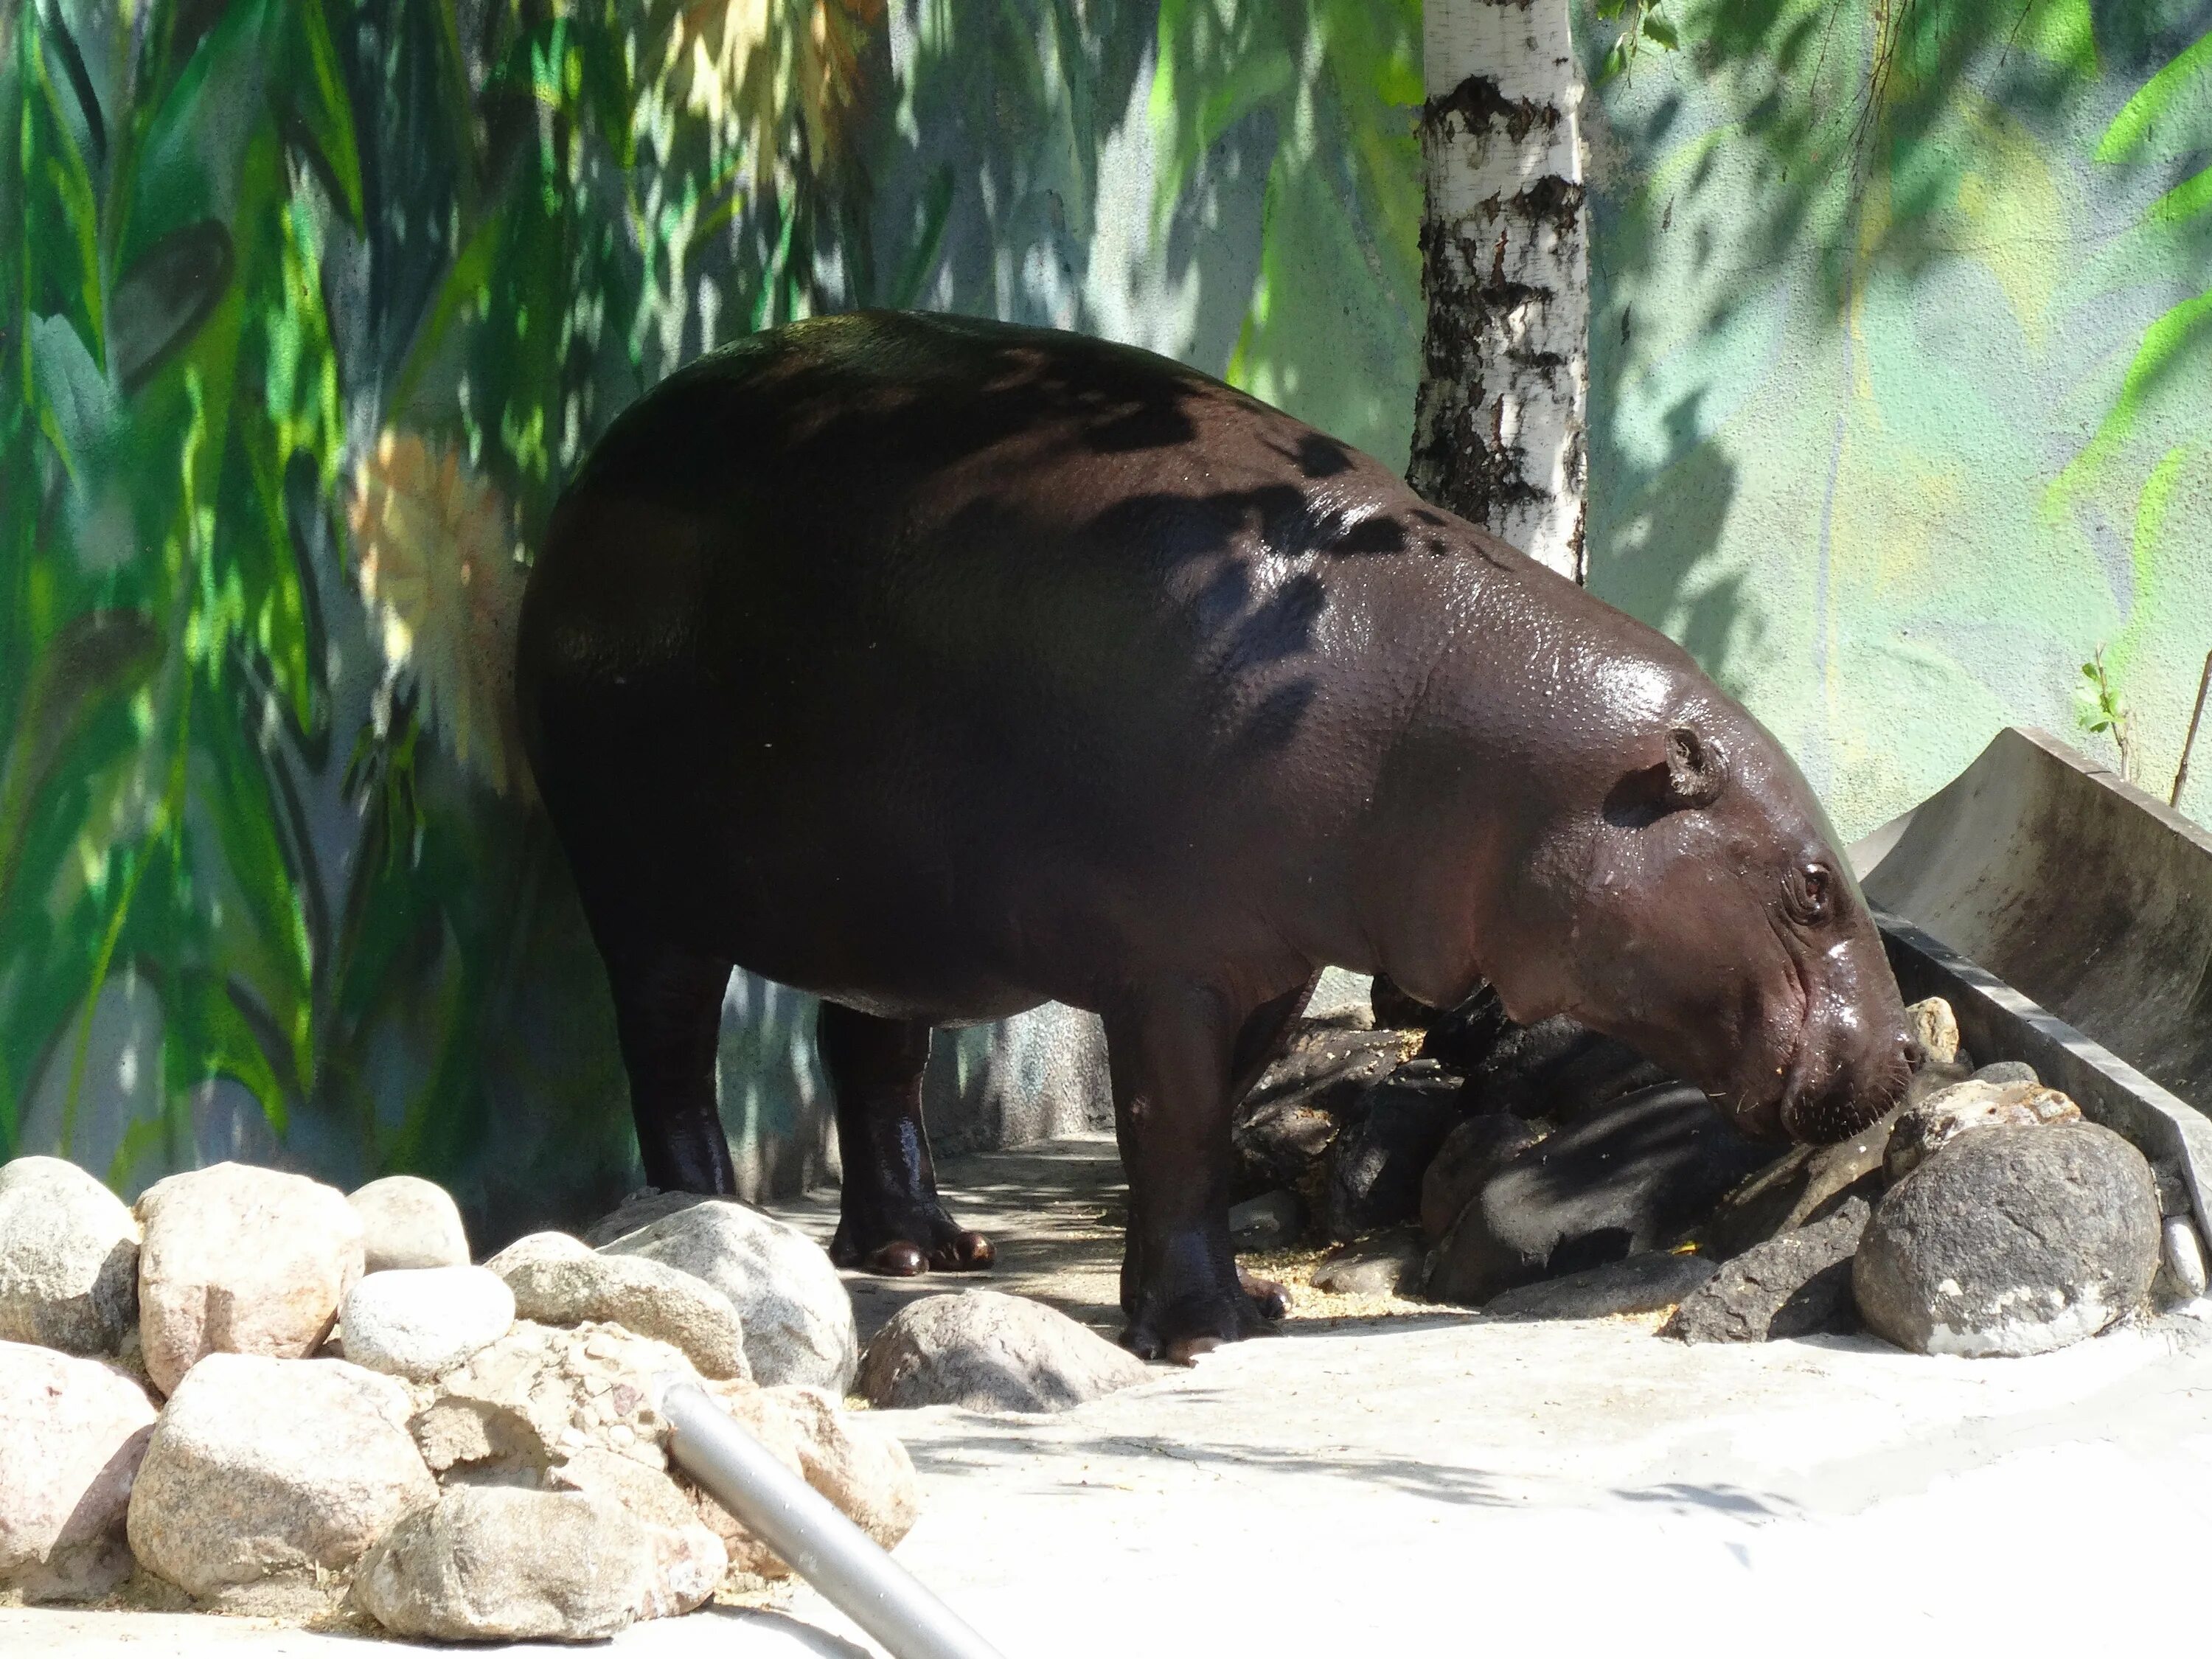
[(996, 635)]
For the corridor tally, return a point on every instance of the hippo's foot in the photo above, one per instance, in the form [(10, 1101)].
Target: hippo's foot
[(1177, 1322), (1265, 1294), (922, 1238)]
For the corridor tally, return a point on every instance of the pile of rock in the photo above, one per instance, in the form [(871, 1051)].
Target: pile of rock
[(1549, 1173), (277, 1398)]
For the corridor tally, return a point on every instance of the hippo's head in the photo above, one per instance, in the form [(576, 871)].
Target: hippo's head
[(1697, 908)]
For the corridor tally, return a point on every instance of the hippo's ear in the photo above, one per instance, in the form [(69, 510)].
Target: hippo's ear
[(1694, 772)]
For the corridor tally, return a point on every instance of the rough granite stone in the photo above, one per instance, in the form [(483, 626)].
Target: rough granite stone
[(237, 1258), (1921, 1128), (2011, 1240), (1376, 1164), (994, 1352), (1388, 1264), (72, 1431), (535, 1247), (1272, 1221), (640, 1294), (505, 1563), (1469, 1156), (68, 1259), (795, 1313), (419, 1322), (855, 1463), (1631, 1176), (1283, 1127), (1796, 1283), (409, 1222), (639, 1209), (1643, 1283), (265, 1479), (541, 1395)]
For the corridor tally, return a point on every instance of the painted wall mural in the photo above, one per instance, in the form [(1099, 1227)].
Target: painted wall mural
[(1902, 364), (308, 307)]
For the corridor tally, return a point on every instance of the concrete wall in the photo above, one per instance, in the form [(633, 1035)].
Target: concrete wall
[(1875, 429)]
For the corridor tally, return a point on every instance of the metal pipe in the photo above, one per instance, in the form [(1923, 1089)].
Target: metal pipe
[(829, 1552)]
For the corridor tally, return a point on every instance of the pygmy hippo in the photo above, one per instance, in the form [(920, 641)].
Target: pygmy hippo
[(942, 667)]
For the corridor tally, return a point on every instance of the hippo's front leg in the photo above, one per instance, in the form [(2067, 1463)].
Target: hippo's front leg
[(890, 1220), (1171, 1053)]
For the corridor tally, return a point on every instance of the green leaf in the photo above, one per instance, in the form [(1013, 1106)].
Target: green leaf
[(2165, 343), (2183, 86), (61, 231), (320, 98), (204, 1036), (931, 213), (467, 282), (2191, 196), (94, 662), (1660, 30)]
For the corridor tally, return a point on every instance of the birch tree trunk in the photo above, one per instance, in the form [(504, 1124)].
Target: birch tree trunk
[(1500, 420)]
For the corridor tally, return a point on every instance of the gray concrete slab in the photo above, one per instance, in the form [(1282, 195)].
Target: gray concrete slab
[(1584, 1488), (2067, 881)]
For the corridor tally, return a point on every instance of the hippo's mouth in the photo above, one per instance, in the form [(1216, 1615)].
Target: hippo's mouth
[(1822, 1103)]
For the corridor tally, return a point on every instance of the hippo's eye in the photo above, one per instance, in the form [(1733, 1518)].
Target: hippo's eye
[(1811, 894)]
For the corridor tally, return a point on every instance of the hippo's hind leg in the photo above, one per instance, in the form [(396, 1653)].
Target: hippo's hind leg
[(668, 1015), (890, 1220), (1178, 1056)]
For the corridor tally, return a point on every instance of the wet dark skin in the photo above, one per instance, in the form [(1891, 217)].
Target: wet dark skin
[(942, 668)]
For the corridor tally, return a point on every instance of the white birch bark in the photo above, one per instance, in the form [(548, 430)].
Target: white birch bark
[(1500, 419)]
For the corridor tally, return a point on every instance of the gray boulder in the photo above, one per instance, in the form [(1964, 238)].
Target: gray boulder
[(640, 1294), (238, 1259), (795, 1312), (419, 1323), (409, 1222), (2001, 1071), (267, 1479), (1643, 1283), (542, 1396), (994, 1352), (535, 1247), (72, 1432), (502, 1562), (1272, 1221), (1631, 1176), (68, 1259), (853, 1461), (1469, 1155), (1285, 1124), (1388, 1264), (2011, 1240), (1376, 1164), (638, 1209), (1794, 1284)]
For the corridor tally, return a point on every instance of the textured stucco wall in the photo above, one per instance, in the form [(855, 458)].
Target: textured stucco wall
[(1856, 446)]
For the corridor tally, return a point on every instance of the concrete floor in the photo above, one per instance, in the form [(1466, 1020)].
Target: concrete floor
[(1436, 1479)]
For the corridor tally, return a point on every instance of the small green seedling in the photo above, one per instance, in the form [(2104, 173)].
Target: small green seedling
[(2106, 710)]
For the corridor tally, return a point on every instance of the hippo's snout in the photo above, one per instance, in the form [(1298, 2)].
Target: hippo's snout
[(1827, 1104)]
